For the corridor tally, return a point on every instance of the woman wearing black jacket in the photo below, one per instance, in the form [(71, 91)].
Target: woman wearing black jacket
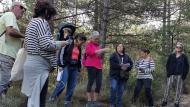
[(71, 67), (177, 67), (120, 65)]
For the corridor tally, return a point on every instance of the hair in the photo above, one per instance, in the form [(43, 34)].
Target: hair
[(123, 48), (68, 30), (94, 34), (145, 51), (44, 9), (80, 36)]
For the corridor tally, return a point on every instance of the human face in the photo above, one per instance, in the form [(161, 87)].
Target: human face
[(96, 39), (143, 54), (178, 49), (79, 42), (19, 11), (120, 48)]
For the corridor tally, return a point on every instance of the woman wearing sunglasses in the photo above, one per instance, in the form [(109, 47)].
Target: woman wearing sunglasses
[(177, 68)]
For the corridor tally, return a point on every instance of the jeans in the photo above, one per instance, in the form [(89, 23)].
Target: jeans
[(116, 91), (179, 86), (94, 74), (148, 92), (6, 64), (69, 78)]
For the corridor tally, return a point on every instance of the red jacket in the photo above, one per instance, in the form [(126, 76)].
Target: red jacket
[(92, 59)]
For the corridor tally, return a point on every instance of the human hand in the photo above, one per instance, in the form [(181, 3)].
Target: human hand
[(141, 70), (124, 67), (106, 49), (64, 43)]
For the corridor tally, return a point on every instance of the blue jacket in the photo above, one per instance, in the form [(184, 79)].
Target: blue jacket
[(115, 67)]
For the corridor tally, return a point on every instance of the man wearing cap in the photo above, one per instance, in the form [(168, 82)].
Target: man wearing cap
[(177, 68), (10, 42)]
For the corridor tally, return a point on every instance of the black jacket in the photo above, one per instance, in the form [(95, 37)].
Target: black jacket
[(177, 66), (67, 57), (115, 67)]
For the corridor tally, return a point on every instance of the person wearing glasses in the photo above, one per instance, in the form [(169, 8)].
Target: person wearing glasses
[(10, 42), (177, 68)]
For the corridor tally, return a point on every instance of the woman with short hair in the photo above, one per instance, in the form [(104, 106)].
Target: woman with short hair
[(41, 55)]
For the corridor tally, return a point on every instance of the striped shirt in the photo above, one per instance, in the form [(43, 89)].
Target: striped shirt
[(145, 68), (39, 40)]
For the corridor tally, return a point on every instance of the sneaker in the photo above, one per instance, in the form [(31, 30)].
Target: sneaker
[(133, 100), (67, 104), (176, 105), (89, 104), (96, 104), (51, 99), (164, 103), (111, 105), (3, 95)]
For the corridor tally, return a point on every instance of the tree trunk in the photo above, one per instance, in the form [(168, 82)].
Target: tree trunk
[(96, 16), (104, 23), (164, 27), (169, 40)]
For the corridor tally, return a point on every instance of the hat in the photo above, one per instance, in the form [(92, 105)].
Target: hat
[(95, 34), (19, 4), (63, 25)]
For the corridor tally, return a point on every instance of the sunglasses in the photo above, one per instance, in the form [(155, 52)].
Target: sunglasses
[(21, 7), (178, 47)]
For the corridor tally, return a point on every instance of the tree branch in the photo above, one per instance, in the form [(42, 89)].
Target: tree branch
[(65, 17)]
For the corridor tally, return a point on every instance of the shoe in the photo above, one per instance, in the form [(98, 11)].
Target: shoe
[(96, 104), (133, 100), (51, 99), (3, 95), (164, 103), (111, 105), (176, 105), (89, 104), (67, 104)]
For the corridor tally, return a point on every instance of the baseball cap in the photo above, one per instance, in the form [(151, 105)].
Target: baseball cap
[(19, 4)]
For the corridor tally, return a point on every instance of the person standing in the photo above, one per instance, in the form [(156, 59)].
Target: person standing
[(10, 43), (71, 68), (94, 64), (120, 65), (177, 67), (145, 67), (41, 54)]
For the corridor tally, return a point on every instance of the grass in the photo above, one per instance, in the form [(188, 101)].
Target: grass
[(14, 98)]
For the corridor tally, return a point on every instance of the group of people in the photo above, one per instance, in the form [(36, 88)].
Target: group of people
[(44, 54)]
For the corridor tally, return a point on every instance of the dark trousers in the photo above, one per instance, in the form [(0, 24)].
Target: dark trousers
[(94, 74), (43, 95), (147, 85)]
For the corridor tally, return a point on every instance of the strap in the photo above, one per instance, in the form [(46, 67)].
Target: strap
[(118, 57), (2, 33)]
